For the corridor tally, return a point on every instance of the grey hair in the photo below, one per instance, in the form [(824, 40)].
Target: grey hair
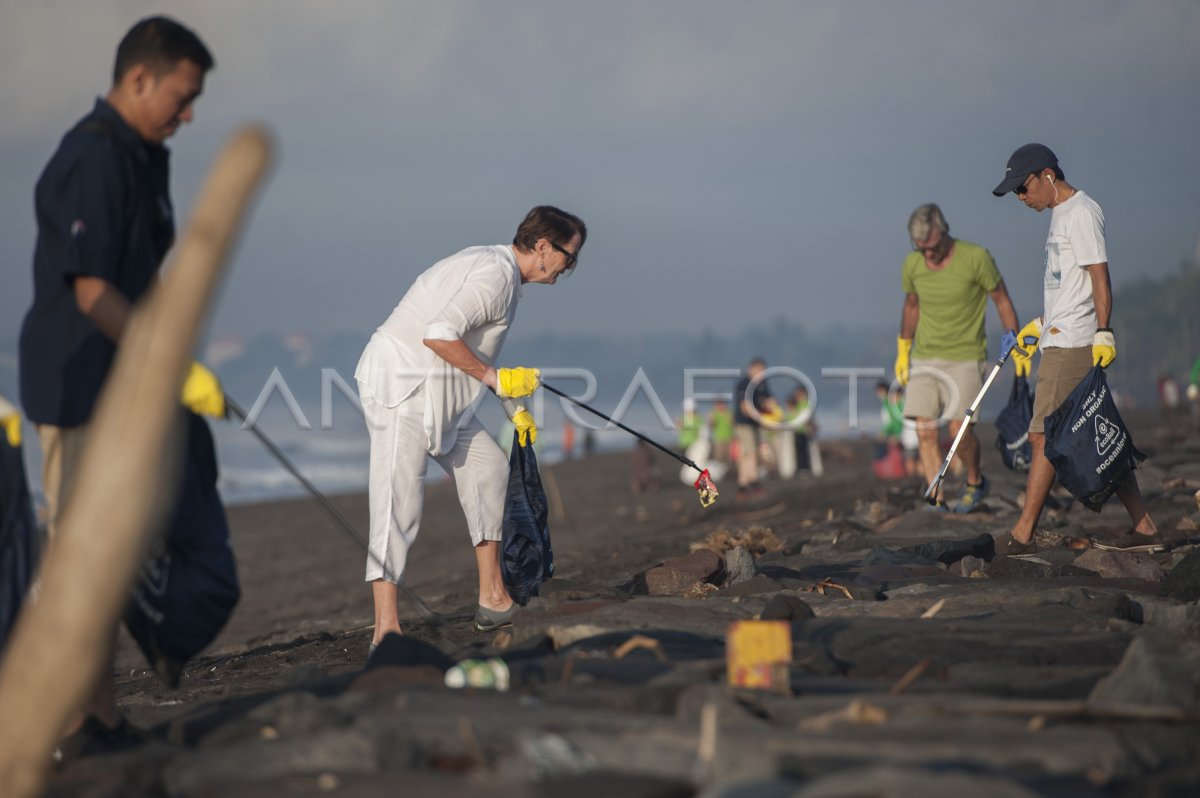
[(924, 219)]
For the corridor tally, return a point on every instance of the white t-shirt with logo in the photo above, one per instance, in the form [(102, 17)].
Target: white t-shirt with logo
[(1076, 240)]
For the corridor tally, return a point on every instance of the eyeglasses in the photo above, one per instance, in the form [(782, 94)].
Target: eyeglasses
[(571, 257), (1024, 187)]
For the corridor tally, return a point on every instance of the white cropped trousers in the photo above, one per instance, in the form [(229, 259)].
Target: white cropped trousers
[(396, 482)]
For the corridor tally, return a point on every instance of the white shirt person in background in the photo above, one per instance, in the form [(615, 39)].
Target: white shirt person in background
[(1074, 333)]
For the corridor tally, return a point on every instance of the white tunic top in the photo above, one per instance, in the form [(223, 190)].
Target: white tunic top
[(471, 295), (1076, 240)]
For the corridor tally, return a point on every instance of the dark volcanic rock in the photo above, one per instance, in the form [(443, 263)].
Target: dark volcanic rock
[(406, 651), (1120, 564), (982, 546), (675, 576), (1183, 582), (884, 556), (606, 785), (754, 586), (739, 566), (1155, 671), (786, 608)]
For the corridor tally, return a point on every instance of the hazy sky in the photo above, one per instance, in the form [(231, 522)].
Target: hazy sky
[(735, 161)]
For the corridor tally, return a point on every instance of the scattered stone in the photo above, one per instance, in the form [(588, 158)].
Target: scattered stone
[(1120, 564), (884, 556), (973, 567), (1155, 672), (754, 586), (982, 546), (1182, 619), (739, 566), (899, 782), (407, 651), (786, 608), (1183, 582), (675, 576)]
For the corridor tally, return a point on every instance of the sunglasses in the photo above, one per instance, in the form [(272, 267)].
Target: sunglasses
[(571, 257), (1024, 187)]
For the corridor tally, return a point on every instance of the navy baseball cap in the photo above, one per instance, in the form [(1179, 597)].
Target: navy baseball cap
[(1024, 162)]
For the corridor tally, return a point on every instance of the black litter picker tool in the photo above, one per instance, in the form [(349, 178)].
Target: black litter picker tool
[(1006, 348), (704, 483)]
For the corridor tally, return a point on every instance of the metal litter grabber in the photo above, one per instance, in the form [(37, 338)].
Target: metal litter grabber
[(932, 491), (327, 505), (704, 483)]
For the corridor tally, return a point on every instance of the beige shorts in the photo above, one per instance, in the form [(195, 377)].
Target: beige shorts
[(942, 389), (62, 449), (1059, 372)]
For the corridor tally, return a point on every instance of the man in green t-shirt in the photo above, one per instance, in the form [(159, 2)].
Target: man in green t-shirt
[(942, 343)]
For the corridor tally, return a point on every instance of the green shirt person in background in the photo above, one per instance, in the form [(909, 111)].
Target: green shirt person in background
[(689, 425), (942, 342), (721, 427)]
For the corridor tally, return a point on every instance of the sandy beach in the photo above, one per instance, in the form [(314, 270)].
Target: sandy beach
[(1071, 672)]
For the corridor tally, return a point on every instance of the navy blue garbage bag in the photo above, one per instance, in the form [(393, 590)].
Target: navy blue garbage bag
[(1089, 445), (187, 587), (526, 559), (19, 536), (1012, 426)]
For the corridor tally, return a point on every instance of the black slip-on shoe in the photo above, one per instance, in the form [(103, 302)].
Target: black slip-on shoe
[(93, 738)]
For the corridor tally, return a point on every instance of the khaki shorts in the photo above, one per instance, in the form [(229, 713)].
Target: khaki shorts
[(943, 389), (1059, 372), (62, 448)]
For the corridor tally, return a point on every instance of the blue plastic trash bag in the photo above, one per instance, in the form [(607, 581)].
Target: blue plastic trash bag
[(1012, 427), (1089, 445), (526, 559), (19, 536), (188, 586)]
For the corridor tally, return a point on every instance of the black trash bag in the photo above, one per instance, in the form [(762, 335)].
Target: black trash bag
[(526, 559), (1012, 427), (1088, 444), (20, 540), (188, 586)]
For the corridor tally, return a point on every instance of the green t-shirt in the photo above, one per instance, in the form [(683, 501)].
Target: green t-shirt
[(722, 426), (953, 300), (689, 430)]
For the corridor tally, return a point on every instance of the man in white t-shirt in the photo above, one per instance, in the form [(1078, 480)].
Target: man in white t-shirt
[(1074, 333), (419, 379)]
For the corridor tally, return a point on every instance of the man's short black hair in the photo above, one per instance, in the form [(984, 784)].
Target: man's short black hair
[(160, 43)]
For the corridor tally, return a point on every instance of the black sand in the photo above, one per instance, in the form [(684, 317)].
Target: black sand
[(1074, 672)]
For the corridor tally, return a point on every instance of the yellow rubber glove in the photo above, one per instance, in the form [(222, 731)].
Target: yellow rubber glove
[(12, 428), (1023, 365), (1027, 343), (518, 382), (1104, 348), (526, 429), (202, 392), (903, 350)]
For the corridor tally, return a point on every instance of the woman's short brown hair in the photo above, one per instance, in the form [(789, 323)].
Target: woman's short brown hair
[(553, 224)]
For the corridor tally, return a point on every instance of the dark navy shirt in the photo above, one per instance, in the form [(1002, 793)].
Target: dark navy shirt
[(103, 210), (758, 398)]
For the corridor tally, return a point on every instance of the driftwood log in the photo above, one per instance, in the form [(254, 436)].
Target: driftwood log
[(126, 474)]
